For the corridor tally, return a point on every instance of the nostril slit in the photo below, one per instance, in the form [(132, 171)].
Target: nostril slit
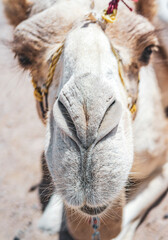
[(113, 132), (67, 117), (108, 109)]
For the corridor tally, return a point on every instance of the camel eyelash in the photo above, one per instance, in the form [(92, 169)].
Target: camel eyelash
[(24, 60), (147, 52)]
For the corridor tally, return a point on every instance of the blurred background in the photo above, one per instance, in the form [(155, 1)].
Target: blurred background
[(21, 144)]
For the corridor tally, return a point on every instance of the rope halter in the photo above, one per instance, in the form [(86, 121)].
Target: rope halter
[(41, 93)]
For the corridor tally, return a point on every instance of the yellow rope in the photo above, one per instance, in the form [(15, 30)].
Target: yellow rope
[(39, 91), (119, 65), (133, 107), (111, 18), (53, 65)]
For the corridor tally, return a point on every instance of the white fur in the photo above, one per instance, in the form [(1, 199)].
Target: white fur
[(51, 219), (149, 106), (163, 9)]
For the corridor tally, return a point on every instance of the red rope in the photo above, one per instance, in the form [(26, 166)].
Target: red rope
[(113, 5)]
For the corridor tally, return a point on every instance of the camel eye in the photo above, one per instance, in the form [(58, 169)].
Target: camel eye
[(24, 60), (145, 57)]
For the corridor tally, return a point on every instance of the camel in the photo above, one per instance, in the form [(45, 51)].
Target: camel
[(97, 92)]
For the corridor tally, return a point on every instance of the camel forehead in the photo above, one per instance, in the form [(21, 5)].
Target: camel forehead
[(43, 33), (87, 35), (88, 51), (52, 25)]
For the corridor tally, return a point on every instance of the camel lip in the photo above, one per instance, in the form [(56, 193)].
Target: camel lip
[(93, 211)]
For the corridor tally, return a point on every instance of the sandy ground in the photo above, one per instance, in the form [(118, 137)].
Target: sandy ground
[(21, 144)]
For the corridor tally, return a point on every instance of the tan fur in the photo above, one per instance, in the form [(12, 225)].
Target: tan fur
[(147, 8), (134, 37), (146, 163), (151, 163), (160, 60), (162, 73), (17, 10)]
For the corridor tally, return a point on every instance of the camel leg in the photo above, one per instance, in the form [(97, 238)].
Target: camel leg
[(129, 231), (52, 205), (51, 219), (135, 210)]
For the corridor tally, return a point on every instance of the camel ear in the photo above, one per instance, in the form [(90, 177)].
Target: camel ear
[(17, 10), (147, 8)]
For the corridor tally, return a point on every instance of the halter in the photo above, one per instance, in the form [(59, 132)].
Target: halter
[(132, 106), (41, 93), (95, 223)]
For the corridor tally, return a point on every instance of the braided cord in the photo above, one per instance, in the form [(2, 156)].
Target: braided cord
[(39, 92), (53, 65), (132, 107)]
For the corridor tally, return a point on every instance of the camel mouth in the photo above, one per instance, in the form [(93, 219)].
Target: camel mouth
[(93, 211)]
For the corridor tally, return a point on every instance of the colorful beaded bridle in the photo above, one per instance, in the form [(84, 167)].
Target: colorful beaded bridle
[(95, 223)]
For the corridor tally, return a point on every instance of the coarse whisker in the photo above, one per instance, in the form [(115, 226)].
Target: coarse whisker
[(74, 217), (81, 220), (102, 220), (113, 215)]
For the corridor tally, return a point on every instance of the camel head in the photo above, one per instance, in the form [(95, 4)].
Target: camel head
[(89, 143), (90, 124)]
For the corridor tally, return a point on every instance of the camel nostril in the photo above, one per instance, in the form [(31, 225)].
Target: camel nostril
[(67, 117), (108, 109), (64, 121), (110, 120)]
